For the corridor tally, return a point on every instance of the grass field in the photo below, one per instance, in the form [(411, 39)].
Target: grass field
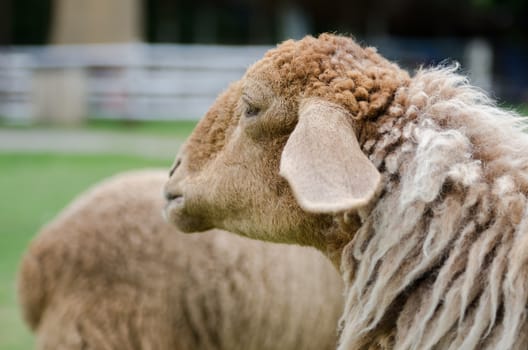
[(33, 188), (523, 109), (179, 128)]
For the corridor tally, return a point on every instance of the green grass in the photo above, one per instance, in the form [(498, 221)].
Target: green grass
[(523, 109), (33, 188), (178, 128)]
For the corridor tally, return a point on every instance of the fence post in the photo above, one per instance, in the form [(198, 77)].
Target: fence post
[(58, 95), (479, 62)]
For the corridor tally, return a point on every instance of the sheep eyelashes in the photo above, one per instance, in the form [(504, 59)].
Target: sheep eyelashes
[(415, 187)]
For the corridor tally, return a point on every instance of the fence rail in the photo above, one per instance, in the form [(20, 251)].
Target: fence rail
[(153, 81), (129, 81)]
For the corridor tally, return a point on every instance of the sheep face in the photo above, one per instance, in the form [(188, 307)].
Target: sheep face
[(227, 174), (278, 155)]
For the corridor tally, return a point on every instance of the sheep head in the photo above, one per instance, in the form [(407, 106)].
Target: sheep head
[(278, 154)]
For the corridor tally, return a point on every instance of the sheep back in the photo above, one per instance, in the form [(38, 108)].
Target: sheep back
[(109, 273)]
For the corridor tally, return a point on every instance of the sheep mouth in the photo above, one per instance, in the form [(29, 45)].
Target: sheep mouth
[(173, 197), (173, 207), (176, 200), (176, 214)]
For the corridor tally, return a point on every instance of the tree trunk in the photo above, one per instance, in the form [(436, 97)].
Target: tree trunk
[(96, 21)]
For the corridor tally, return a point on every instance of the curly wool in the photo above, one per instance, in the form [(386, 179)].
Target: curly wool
[(452, 271), (337, 69)]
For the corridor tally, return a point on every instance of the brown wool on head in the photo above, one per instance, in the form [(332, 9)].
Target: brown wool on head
[(337, 69)]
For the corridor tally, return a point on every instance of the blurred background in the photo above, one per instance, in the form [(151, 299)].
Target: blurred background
[(168, 59), (89, 88)]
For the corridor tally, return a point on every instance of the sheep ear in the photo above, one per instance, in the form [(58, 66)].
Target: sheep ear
[(323, 162)]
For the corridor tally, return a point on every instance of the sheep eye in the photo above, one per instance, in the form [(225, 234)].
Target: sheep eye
[(251, 111)]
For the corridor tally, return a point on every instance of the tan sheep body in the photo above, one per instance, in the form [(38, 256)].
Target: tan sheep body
[(109, 273), (415, 186)]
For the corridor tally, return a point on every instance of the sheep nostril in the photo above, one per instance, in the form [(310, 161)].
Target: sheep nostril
[(178, 162)]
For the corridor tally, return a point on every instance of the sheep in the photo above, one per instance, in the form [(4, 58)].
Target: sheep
[(414, 186), (109, 273)]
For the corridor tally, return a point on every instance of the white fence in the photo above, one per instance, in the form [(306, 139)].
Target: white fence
[(151, 81), (129, 81)]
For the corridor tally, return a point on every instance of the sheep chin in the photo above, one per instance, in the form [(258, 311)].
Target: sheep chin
[(175, 213)]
